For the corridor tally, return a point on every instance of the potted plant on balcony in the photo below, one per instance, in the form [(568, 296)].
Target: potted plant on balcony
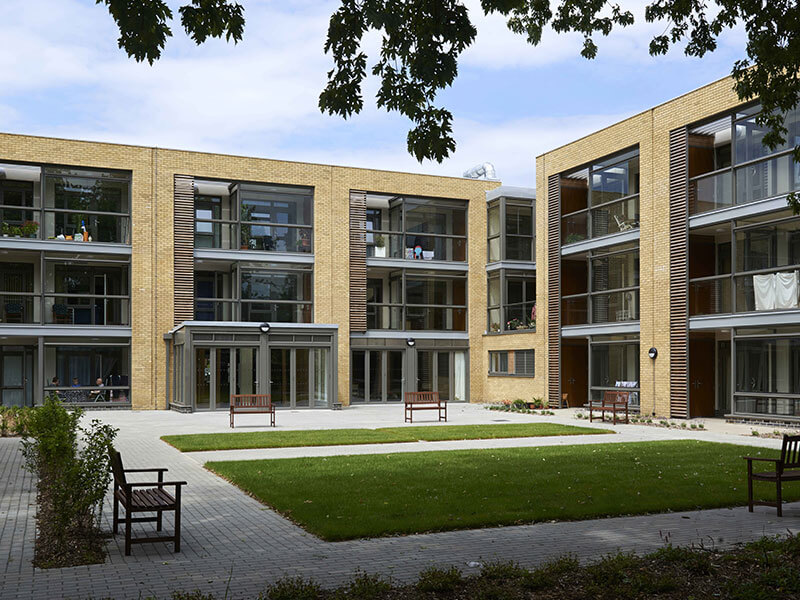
[(30, 229), (6, 229), (380, 246), (16, 232), (514, 324)]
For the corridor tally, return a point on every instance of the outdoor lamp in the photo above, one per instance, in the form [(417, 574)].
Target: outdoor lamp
[(411, 342), (264, 327), (652, 353)]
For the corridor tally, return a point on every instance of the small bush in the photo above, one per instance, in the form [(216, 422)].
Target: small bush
[(14, 420), (502, 571), (364, 587), (293, 588), (548, 574), (195, 595), (72, 482), (438, 580), (519, 404)]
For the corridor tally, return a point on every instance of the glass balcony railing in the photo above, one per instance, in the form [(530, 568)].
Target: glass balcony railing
[(616, 217), (435, 318), (215, 234), (70, 309), (710, 296), (385, 245), (91, 394), (710, 192), (615, 307), (766, 404), (283, 312), (109, 228), (766, 179), (575, 228), (383, 316), (18, 308), (271, 238), (214, 310), (574, 311)]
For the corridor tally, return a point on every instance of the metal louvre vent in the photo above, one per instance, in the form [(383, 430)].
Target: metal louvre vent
[(678, 273), (554, 290), (183, 265), (358, 260), (523, 362)]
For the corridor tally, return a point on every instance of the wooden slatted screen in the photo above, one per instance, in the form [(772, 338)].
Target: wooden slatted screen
[(554, 290), (678, 274), (358, 260), (184, 248)]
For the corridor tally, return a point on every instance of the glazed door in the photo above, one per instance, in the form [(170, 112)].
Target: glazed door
[(299, 377), (12, 378)]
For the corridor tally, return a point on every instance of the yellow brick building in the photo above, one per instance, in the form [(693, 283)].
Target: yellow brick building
[(153, 278), (669, 231)]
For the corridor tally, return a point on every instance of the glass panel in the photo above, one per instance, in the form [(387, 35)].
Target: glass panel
[(394, 375), (358, 378), (270, 238), (423, 217), (494, 220), (275, 285), (616, 218), (86, 310), (710, 193), (202, 362), (302, 377), (498, 362), (376, 376), (384, 317), (785, 407), (766, 179), (385, 245), (440, 319), (274, 204), (84, 227), (443, 374), (574, 311), (86, 193), (615, 271), (216, 235), (749, 137), (615, 307), (614, 182), (768, 366), (519, 247), (435, 291), (18, 309), (214, 310), (494, 319), (575, 228), (767, 291), (222, 391), (614, 364), (246, 370), (710, 297), (280, 376), (494, 250), (319, 383), (261, 312), (769, 246), (519, 220), (459, 376), (425, 371), (427, 247)]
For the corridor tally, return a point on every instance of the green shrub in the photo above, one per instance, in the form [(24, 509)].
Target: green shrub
[(502, 571), (548, 574), (71, 465), (14, 420), (437, 580), (195, 595), (293, 588), (364, 587), (519, 404)]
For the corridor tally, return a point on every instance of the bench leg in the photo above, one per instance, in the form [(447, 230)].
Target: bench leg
[(128, 530), (778, 495), (749, 486), (159, 520), (115, 520), (178, 519), (272, 418), (231, 419)]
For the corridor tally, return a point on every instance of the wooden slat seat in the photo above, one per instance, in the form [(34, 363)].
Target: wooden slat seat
[(424, 401), (144, 497), (786, 468), (252, 404)]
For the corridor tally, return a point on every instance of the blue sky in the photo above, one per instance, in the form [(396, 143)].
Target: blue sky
[(63, 75)]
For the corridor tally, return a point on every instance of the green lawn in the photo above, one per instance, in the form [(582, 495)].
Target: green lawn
[(337, 437), (346, 497)]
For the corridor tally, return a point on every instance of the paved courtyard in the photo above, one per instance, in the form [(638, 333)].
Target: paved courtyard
[(231, 542)]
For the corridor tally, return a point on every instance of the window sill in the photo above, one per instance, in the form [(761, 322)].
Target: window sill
[(493, 333), (511, 375)]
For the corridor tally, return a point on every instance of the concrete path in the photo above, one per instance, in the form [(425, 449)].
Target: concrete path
[(231, 542)]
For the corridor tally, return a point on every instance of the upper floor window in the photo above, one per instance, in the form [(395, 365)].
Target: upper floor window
[(729, 163), (262, 217), (750, 264), (254, 293), (83, 205), (410, 300), (416, 228), (511, 302), (511, 230), (600, 199), (601, 286), (519, 363)]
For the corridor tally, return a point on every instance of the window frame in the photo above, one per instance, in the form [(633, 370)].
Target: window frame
[(509, 357)]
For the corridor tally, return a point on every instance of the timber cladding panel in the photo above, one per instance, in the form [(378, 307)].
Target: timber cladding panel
[(679, 272), (183, 272), (554, 290), (358, 261)]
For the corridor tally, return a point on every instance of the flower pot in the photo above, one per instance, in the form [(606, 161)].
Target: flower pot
[(380, 251)]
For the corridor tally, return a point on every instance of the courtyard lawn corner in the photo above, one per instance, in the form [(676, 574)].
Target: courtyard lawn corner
[(338, 437), (347, 497)]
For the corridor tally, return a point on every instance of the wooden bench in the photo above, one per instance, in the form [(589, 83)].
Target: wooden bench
[(152, 499), (424, 401), (253, 404), (787, 468), (613, 402)]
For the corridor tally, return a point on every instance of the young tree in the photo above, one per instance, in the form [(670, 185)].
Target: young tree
[(423, 39)]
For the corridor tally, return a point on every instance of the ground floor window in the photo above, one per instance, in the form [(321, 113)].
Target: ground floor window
[(594, 365), (519, 363)]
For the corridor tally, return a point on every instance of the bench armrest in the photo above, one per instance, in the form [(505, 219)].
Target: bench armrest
[(154, 483), (154, 470), (761, 459)]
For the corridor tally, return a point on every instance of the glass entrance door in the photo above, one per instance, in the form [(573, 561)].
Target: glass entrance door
[(384, 371), (215, 377), (12, 378), (443, 371), (299, 377)]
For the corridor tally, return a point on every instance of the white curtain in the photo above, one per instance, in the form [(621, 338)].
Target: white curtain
[(764, 290), (460, 376), (786, 289)]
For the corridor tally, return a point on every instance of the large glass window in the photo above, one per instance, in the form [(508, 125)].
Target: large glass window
[(600, 199), (88, 374), (416, 228), (601, 286), (767, 372), (511, 301), (18, 290), (729, 163), (263, 217), (20, 193), (519, 363), (409, 300), (254, 292), (614, 366), (745, 265), (515, 240)]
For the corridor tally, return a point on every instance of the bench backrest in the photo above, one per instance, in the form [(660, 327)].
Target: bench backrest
[(116, 466), (422, 397), (790, 451), (612, 397), (251, 400)]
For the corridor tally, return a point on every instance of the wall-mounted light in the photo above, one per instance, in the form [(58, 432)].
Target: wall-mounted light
[(264, 327), (411, 342), (652, 353)]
